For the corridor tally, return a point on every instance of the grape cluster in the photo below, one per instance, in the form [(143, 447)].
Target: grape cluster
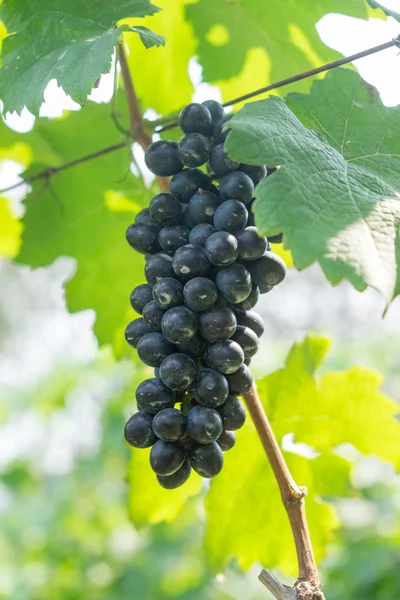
[(205, 268)]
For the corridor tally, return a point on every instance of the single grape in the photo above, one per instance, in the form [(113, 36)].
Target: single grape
[(168, 292), (226, 440), (178, 371), (221, 248), (171, 482), (143, 238), (216, 110), (179, 324), (251, 245), (153, 314), (206, 459), (190, 261), (153, 348), (152, 395), (186, 183), (247, 340), (256, 173), (166, 209), (267, 270), (240, 381), (210, 388), (237, 186), (251, 319), (157, 267), (204, 425), (202, 207), (220, 162), (226, 356), (219, 135), (193, 348), (194, 149), (200, 294), (166, 457), (140, 296), (200, 234), (196, 118), (234, 283), (170, 424), (230, 216), (251, 299), (138, 430), (144, 216), (232, 413), (173, 237), (135, 331), (162, 158), (217, 323)]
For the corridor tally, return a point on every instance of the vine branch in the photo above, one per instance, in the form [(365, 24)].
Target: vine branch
[(307, 586), (136, 126), (137, 130)]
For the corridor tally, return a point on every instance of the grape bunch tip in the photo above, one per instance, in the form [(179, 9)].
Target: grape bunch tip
[(206, 266)]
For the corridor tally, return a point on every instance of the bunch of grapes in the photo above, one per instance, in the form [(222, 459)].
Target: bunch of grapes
[(205, 268)]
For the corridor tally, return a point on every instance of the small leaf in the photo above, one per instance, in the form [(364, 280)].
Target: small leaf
[(148, 37), (336, 194), (70, 42)]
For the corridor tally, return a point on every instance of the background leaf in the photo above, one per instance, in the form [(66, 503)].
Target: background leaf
[(58, 40), (335, 196)]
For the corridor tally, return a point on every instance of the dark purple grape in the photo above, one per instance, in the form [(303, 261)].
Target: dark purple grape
[(173, 237), (135, 331), (256, 173), (216, 110), (268, 270), (240, 381), (171, 482), (138, 430), (200, 234), (140, 296), (196, 118), (168, 292), (193, 348), (221, 248), (166, 457), (234, 283), (178, 371), (226, 356), (251, 245), (179, 324), (251, 299), (186, 183), (237, 186), (220, 162), (219, 135), (170, 424), (217, 323), (206, 459), (153, 314), (194, 149), (152, 396), (230, 216), (153, 348), (226, 440), (190, 261), (251, 319), (144, 216), (233, 413), (204, 425), (200, 294), (143, 238), (247, 340), (166, 209), (202, 207), (157, 267), (162, 158), (210, 388)]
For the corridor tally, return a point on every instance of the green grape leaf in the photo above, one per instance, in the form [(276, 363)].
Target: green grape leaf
[(83, 212), (162, 79), (283, 34), (386, 10), (148, 37), (67, 41), (336, 194), (245, 515)]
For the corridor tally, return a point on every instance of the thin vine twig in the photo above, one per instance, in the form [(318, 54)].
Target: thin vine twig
[(139, 125), (307, 586), (136, 126)]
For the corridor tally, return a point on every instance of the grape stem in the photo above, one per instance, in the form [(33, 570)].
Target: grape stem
[(307, 586), (136, 125)]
